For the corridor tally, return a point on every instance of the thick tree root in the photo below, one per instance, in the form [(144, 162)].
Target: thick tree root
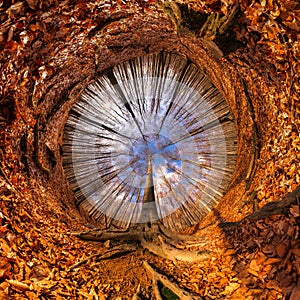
[(166, 251), (138, 232), (177, 236), (156, 277), (272, 208), (136, 296), (155, 238), (166, 245), (124, 249), (104, 235)]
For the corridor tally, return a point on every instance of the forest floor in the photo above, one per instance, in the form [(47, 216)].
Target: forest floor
[(41, 258)]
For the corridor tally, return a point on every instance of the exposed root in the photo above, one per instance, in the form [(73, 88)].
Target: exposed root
[(146, 235), (154, 248), (156, 277), (167, 251), (107, 254), (102, 236), (136, 296), (177, 236), (272, 208), (157, 239), (137, 232)]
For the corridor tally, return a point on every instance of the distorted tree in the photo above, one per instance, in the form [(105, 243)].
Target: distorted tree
[(150, 148), (140, 153)]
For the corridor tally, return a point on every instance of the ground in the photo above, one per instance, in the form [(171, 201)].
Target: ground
[(43, 47)]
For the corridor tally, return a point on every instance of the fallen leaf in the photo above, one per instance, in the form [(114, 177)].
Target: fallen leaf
[(295, 295), (281, 249), (19, 285)]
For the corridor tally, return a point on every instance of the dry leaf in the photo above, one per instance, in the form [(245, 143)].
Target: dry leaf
[(295, 295), (19, 285), (281, 249)]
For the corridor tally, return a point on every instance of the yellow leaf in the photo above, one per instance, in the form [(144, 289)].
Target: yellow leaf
[(19, 285)]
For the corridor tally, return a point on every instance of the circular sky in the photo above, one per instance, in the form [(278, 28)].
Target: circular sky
[(155, 111)]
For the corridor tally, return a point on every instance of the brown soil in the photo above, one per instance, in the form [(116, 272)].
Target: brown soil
[(48, 54)]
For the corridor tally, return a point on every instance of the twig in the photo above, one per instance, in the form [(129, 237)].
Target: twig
[(21, 286)]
